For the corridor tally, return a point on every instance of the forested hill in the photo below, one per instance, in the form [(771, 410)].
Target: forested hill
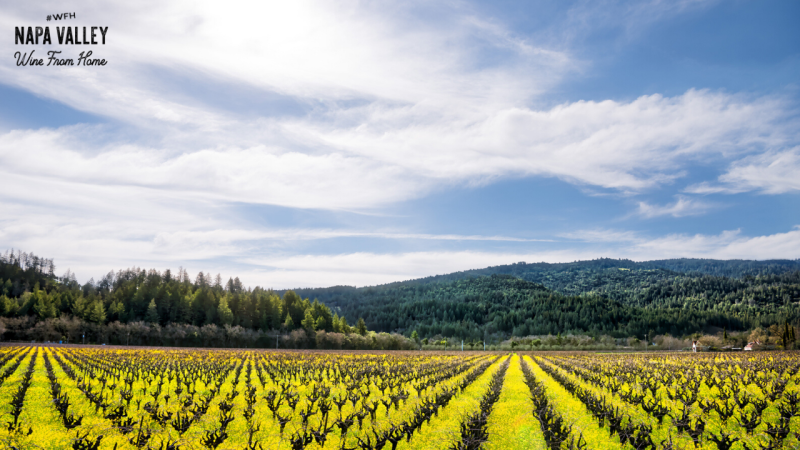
[(585, 276), (625, 280), (615, 297), (677, 296), (474, 307)]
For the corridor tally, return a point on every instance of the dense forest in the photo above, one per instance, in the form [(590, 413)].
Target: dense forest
[(607, 275), (29, 289), (646, 297), (618, 298)]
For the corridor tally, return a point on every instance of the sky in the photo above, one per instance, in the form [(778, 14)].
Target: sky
[(319, 143)]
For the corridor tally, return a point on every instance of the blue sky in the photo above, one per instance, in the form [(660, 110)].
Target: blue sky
[(322, 143)]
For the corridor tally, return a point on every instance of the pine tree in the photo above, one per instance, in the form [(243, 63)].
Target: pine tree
[(97, 313), (224, 312), (79, 307), (308, 321), (361, 327), (183, 311), (43, 304), (116, 310), (152, 312)]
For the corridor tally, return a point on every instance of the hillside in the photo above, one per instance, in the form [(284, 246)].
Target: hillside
[(650, 296), (602, 275), (614, 297)]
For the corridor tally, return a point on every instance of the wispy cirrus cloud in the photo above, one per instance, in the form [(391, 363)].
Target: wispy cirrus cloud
[(394, 154), (682, 207), (602, 235), (633, 18), (774, 172)]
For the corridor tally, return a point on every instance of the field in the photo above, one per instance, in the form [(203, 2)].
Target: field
[(90, 398)]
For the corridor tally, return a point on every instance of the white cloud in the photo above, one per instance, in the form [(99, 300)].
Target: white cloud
[(706, 187), (397, 107), (371, 268), (315, 50), (729, 244), (100, 234), (92, 231), (633, 145), (585, 18), (682, 207), (393, 154), (362, 269), (602, 235), (773, 172), (726, 245), (394, 106)]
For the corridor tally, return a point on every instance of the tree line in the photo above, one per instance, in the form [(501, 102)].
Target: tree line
[(585, 297), (617, 298), (154, 298)]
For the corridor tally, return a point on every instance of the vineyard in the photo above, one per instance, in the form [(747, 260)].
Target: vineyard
[(87, 398)]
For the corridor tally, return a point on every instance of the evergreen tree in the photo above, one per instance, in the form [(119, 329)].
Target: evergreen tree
[(336, 326), (589, 297), (308, 321), (361, 327), (293, 305), (152, 312), (116, 310), (138, 305), (96, 313), (43, 304), (79, 307), (183, 310), (269, 309), (224, 312), (321, 311)]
